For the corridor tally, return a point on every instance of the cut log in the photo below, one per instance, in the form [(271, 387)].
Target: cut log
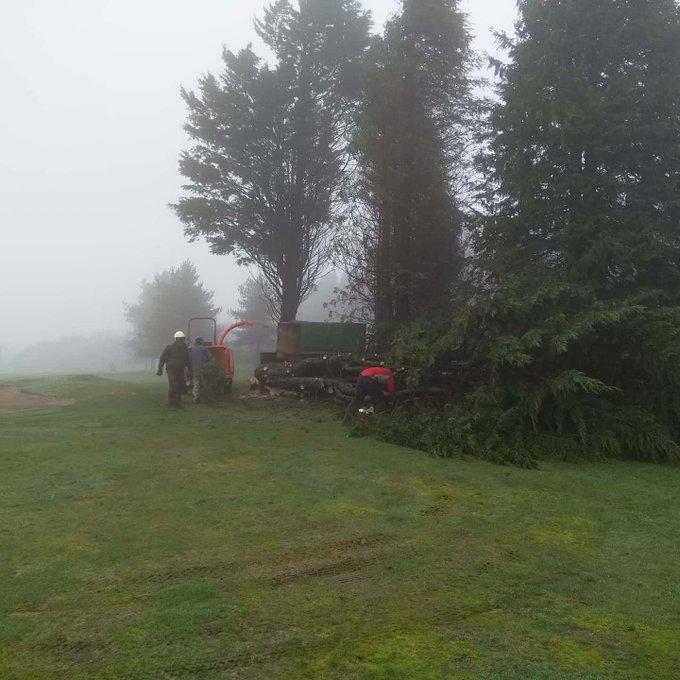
[(275, 370), (309, 385), (340, 366), (341, 385)]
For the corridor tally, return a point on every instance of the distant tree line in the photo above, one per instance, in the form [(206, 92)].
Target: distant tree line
[(165, 305), (176, 295), (102, 352), (528, 244)]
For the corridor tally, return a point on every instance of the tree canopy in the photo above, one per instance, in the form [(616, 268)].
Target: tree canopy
[(404, 250), (585, 153), (165, 305), (574, 332), (270, 145), (252, 306)]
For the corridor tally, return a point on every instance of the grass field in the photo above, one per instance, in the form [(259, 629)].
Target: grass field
[(257, 540)]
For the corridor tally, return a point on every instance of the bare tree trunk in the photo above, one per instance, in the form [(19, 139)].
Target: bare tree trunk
[(384, 268), (290, 300)]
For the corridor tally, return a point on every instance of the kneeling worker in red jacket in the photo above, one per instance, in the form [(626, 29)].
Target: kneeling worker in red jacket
[(374, 382)]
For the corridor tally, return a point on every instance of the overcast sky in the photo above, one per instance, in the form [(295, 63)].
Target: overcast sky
[(90, 133)]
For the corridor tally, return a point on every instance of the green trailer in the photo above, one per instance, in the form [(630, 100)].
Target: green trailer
[(300, 339)]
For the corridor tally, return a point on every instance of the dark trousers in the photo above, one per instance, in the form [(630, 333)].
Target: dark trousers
[(176, 387), (369, 387)]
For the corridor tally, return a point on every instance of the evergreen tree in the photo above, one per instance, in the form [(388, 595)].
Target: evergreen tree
[(577, 332), (586, 149), (252, 306), (165, 306), (406, 250), (270, 150)]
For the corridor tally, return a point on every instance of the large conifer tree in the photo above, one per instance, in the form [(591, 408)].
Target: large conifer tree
[(408, 145), (573, 339), (166, 305), (264, 173), (587, 146), (579, 330)]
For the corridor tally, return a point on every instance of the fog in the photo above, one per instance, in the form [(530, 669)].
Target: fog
[(90, 133)]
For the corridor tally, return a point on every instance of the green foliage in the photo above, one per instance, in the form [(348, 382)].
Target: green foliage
[(214, 383), (454, 433), (164, 306), (252, 306), (404, 249), (270, 146), (560, 372), (572, 331), (584, 148)]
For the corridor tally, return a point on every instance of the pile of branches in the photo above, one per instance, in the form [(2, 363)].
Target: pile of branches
[(330, 378)]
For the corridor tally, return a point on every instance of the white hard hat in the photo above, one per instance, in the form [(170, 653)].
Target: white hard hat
[(179, 334)]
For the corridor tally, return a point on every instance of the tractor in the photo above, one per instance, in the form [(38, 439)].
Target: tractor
[(223, 355)]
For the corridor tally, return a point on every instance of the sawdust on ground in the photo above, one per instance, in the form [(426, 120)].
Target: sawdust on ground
[(13, 399)]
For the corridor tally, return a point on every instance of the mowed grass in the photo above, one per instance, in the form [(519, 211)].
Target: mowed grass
[(258, 540)]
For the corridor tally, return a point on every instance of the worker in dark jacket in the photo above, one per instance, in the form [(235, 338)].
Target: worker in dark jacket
[(175, 358)]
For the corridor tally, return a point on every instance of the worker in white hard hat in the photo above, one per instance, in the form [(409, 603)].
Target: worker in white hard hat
[(175, 358)]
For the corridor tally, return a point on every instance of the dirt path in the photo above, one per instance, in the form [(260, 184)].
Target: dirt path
[(13, 399)]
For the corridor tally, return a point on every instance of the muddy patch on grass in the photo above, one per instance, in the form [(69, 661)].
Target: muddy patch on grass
[(367, 541), (335, 568), (441, 505), (341, 566), (14, 399), (336, 558)]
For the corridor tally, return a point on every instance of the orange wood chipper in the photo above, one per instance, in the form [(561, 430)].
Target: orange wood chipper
[(222, 354)]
